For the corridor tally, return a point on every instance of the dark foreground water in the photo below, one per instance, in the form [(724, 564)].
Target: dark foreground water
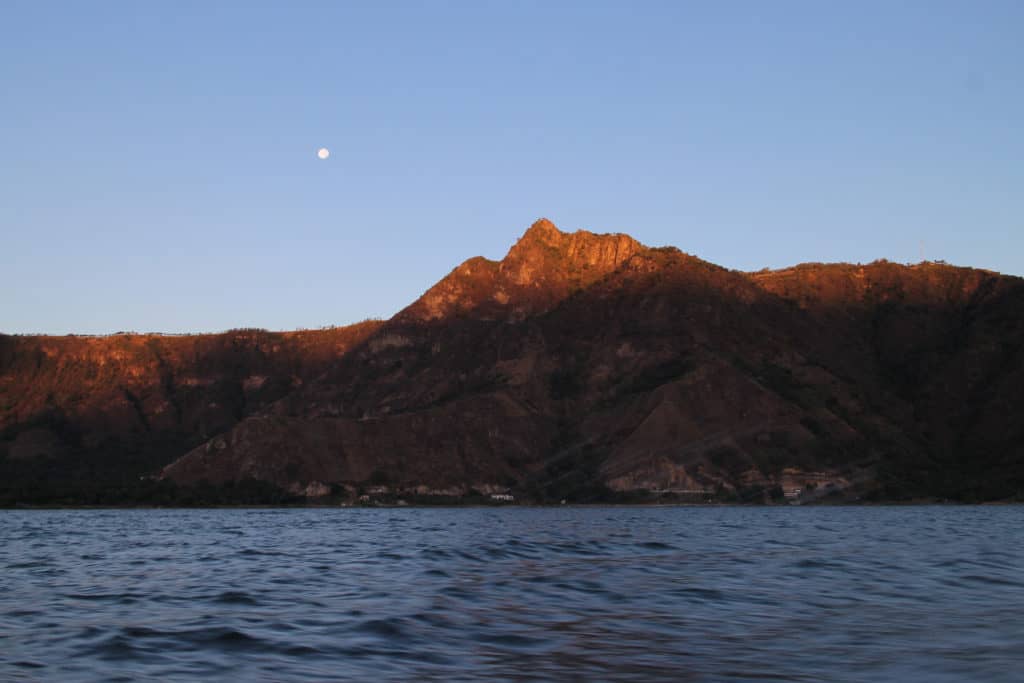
[(715, 594)]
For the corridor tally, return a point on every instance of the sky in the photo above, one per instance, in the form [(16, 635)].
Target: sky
[(159, 169)]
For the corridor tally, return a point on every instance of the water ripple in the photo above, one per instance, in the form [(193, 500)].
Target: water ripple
[(681, 594)]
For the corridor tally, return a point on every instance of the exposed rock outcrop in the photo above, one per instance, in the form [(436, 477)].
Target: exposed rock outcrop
[(541, 269)]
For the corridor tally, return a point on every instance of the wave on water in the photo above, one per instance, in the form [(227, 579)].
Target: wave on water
[(691, 594)]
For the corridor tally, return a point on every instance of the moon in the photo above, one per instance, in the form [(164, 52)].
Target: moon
[(323, 152)]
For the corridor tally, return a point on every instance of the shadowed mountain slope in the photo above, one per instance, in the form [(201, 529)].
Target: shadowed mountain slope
[(84, 415)]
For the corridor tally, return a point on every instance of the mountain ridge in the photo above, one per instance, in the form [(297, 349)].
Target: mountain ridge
[(591, 367)]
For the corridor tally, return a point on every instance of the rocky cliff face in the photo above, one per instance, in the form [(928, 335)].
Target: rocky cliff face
[(590, 367)]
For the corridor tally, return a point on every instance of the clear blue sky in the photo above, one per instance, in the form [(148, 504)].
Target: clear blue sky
[(159, 167)]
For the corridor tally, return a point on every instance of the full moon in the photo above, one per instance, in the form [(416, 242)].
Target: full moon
[(323, 152)]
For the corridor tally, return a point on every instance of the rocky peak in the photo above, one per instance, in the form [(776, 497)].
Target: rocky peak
[(543, 267), (544, 252), (542, 231)]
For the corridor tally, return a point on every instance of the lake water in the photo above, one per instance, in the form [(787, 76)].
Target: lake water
[(602, 593)]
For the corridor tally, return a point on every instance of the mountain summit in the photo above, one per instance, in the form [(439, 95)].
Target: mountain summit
[(544, 255), (543, 267)]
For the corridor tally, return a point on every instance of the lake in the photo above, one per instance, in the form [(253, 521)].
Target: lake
[(929, 593)]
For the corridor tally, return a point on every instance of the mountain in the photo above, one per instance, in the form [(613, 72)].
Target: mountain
[(589, 367)]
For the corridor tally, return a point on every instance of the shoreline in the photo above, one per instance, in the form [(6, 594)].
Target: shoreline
[(450, 506)]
